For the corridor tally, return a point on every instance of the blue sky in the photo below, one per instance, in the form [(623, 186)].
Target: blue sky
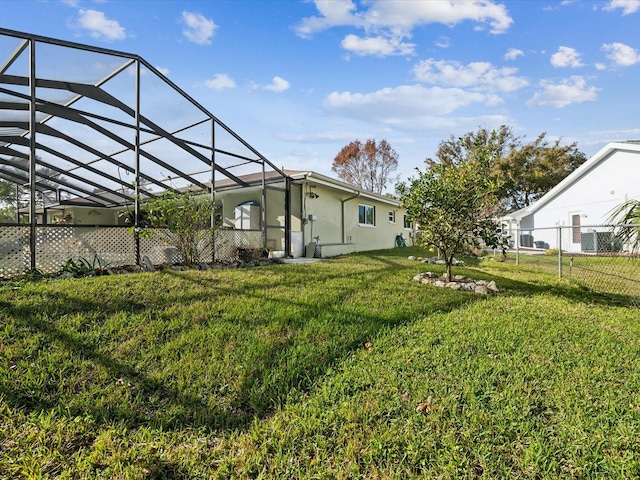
[(300, 79)]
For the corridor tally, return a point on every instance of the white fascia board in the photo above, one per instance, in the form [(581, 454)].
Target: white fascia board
[(577, 174), (344, 187)]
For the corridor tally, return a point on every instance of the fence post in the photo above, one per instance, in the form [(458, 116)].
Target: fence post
[(559, 252), (517, 244), (136, 239)]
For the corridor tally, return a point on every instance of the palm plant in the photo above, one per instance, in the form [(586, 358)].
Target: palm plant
[(627, 217)]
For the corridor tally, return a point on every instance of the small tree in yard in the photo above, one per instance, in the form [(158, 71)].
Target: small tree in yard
[(454, 207), (184, 221)]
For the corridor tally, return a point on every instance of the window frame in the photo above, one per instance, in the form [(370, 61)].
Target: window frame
[(372, 216), (392, 216), (407, 224)]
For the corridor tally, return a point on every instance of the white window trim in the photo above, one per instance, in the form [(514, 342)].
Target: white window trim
[(390, 214), (368, 225)]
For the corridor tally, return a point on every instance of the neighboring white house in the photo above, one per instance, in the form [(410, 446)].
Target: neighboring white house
[(582, 201)]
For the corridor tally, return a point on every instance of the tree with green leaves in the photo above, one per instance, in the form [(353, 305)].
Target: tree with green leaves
[(370, 165), (184, 220), (454, 204), (8, 200), (526, 171)]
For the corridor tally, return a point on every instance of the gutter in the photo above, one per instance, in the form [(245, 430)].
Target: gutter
[(344, 225)]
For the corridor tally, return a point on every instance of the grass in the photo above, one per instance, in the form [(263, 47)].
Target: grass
[(339, 369)]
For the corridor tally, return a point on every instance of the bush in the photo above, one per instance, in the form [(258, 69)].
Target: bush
[(185, 221)]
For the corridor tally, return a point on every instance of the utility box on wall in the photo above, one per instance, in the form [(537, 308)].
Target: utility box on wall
[(247, 217)]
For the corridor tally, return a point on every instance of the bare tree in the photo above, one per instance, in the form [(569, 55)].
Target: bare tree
[(368, 165)]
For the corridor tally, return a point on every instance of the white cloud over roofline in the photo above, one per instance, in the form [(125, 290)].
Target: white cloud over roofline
[(621, 54), (99, 26), (198, 29), (513, 53), (566, 57), (387, 23), (477, 75), (379, 46), (567, 92), (405, 102), (220, 81), (277, 85), (627, 6)]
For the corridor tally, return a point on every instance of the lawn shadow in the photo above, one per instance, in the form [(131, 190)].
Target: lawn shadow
[(268, 379), (573, 291)]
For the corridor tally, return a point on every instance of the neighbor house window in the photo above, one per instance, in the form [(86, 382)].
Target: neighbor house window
[(392, 216), (366, 215), (407, 223)]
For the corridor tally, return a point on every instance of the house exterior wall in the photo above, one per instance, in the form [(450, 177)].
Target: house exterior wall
[(318, 209), (328, 208), (85, 215), (591, 198)]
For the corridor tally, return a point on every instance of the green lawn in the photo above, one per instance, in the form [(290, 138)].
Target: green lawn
[(338, 369)]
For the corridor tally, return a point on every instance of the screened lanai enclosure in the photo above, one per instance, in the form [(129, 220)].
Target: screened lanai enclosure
[(87, 134)]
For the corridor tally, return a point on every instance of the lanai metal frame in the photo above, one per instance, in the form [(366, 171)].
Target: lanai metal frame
[(41, 109)]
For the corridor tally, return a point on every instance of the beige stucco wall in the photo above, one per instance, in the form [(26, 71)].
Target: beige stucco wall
[(86, 215), (328, 208), (328, 225)]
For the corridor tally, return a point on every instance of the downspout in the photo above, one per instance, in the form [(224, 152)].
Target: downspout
[(287, 217), (303, 220), (344, 226)]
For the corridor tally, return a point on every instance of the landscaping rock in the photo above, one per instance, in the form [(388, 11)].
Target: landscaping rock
[(492, 287), (147, 265), (459, 282)]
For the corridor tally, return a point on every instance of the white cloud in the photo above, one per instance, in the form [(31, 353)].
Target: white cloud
[(322, 137), (379, 46), (627, 6), (220, 81), (162, 70), (443, 42), (569, 91), (394, 21), (400, 104), (100, 26), (333, 13), (513, 53), (479, 75), (566, 57), (278, 84), (199, 29), (623, 55)]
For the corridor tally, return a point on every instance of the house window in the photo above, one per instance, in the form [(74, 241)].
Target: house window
[(575, 223), (392, 216), (408, 224), (366, 215)]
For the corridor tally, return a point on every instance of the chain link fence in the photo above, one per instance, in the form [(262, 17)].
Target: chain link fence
[(602, 258)]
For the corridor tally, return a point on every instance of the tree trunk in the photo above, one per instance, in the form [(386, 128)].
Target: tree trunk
[(448, 275)]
